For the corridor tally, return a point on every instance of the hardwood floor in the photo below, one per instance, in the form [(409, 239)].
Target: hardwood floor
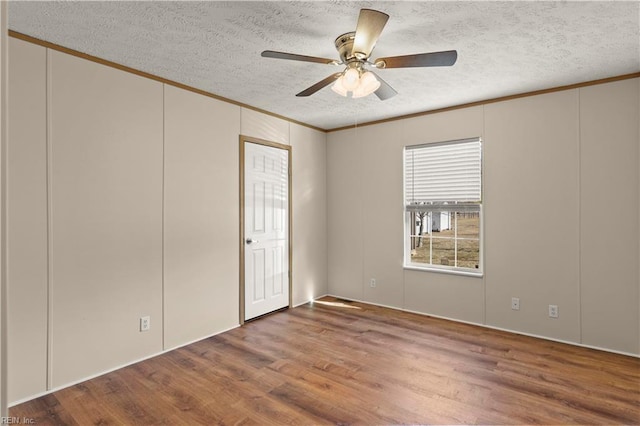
[(349, 363)]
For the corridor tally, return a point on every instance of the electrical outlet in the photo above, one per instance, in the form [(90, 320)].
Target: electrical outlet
[(372, 283), (145, 323), (553, 311), (515, 303)]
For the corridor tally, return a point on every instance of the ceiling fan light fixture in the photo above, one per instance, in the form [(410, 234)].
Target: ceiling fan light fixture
[(351, 79), (368, 84), (338, 87)]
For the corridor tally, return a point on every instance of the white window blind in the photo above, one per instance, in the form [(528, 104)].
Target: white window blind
[(439, 175)]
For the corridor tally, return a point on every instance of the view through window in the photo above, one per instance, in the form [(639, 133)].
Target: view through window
[(443, 205)]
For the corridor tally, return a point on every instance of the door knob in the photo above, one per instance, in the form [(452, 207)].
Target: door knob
[(250, 240)]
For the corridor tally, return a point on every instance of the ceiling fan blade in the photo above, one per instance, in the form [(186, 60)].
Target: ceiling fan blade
[(370, 25), (294, 57), (385, 91), (433, 59), (319, 85)]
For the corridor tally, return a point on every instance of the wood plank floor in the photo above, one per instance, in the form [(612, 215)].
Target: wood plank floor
[(349, 363)]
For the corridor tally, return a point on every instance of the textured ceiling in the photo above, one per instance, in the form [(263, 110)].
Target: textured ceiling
[(503, 48)]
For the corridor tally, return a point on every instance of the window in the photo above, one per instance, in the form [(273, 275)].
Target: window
[(443, 206)]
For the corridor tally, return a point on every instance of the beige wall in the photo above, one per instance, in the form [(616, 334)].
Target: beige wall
[(551, 164), (27, 211), (309, 195), (609, 247), (365, 214), (200, 247), (135, 207), (532, 214), (344, 214), (106, 217), (259, 125)]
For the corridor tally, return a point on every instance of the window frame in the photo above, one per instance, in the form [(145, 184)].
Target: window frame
[(409, 226)]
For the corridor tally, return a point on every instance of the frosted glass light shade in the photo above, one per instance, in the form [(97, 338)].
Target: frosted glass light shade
[(368, 84), (338, 87), (351, 79)]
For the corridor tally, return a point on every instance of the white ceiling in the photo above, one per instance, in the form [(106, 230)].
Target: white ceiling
[(503, 48)]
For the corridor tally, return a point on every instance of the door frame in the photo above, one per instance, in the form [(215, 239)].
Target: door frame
[(248, 139)]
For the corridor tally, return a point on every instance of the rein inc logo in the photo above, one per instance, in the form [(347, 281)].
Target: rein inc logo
[(17, 421)]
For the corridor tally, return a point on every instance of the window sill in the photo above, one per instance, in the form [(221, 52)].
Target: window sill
[(444, 271)]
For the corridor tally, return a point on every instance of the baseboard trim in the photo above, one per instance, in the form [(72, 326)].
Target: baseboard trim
[(310, 300), (568, 342), (182, 345), (57, 388)]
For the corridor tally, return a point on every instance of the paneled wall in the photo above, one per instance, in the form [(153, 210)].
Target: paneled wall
[(27, 212), (532, 214), (309, 168), (609, 249), (105, 180), (200, 247), (445, 295), (124, 202), (365, 214), (561, 211), (258, 125), (344, 214)]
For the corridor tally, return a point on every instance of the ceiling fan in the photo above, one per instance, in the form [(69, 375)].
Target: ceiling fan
[(354, 49)]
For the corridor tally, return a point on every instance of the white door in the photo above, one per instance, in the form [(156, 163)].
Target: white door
[(266, 229)]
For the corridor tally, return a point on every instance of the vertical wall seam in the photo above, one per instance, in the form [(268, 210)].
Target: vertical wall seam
[(406, 235), (164, 326), (579, 131), (290, 212), (363, 278), (241, 278), (483, 219), (49, 190), (290, 215), (241, 281), (326, 215)]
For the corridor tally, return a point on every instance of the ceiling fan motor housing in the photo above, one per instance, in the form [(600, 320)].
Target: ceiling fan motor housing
[(344, 45)]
